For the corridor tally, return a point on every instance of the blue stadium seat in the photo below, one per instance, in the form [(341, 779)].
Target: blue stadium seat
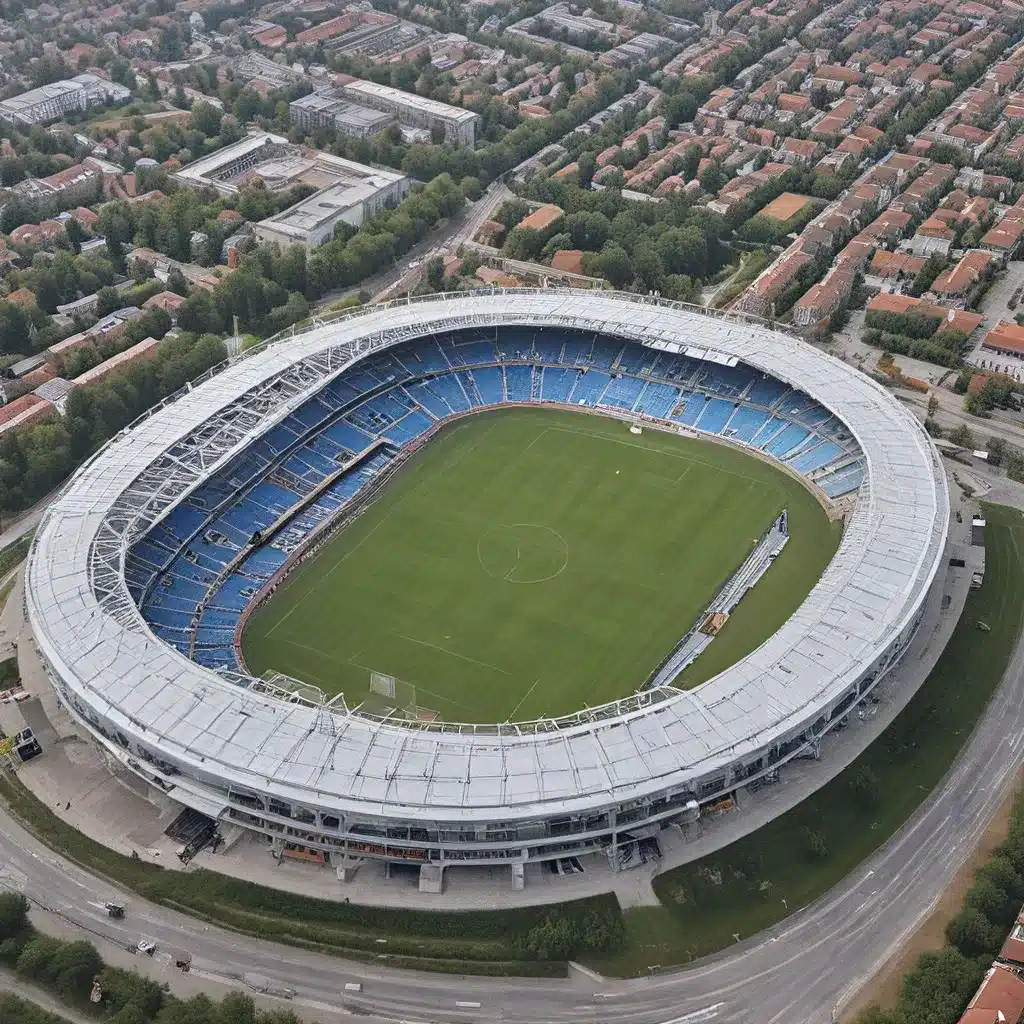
[(692, 409), (658, 400), (745, 423), (465, 378), (557, 383), (408, 429), (548, 347), (766, 391), (816, 457), (517, 383), (786, 441), (622, 392), (605, 353), (589, 388), (489, 384), (715, 416)]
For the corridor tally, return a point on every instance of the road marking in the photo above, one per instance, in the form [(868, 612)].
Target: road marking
[(464, 1005), (708, 1013)]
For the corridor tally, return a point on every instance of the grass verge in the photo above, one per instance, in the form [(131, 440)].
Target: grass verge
[(472, 942), (14, 554), (805, 852)]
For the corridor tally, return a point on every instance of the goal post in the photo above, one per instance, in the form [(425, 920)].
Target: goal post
[(383, 685), (395, 694)]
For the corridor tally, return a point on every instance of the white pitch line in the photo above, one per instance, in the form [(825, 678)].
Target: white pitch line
[(523, 701), (444, 650)]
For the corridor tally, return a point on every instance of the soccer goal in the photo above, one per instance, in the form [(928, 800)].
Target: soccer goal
[(390, 695)]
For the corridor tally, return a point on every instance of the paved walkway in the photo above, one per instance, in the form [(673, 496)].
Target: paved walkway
[(109, 804)]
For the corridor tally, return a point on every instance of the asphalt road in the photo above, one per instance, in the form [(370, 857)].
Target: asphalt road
[(797, 972)]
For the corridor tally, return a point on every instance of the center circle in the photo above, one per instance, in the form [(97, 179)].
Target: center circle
[(522, 553)]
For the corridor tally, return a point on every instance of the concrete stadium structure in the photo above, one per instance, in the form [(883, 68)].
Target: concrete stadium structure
[(298, 769)]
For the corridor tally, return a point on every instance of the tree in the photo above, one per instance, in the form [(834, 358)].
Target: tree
[(471, 188), (973, 934), (962, 436), (176, 282), (712, 179), (13, 914), (435, 273), (75, 235), (815, 846), (73, 969), (996, 449), (585, 168), (993, 901), (206, 118), (615, 265), (941, 985)]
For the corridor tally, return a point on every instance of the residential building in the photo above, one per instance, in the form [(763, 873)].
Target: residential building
[(330, 110), (956, 285), (999, 999), (416, 111), (51, 102)]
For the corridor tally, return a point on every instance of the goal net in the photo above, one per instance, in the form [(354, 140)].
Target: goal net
[(389, 695)]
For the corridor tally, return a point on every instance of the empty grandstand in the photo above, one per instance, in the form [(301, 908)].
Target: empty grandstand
[(171, 534)]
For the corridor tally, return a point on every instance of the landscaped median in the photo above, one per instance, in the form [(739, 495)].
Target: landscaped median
[(759, 880), (742, 889)]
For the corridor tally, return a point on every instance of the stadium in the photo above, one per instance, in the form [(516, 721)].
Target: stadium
[(152, 572)]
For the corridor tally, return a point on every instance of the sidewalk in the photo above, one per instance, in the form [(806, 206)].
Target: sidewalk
[(74, 779)]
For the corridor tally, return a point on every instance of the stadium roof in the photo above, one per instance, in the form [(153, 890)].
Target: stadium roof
[(95, 639)]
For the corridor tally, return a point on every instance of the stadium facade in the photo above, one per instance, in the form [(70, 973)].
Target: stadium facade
[(158, 688)]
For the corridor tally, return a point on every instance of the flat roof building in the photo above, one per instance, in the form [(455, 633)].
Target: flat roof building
[(51, 102), (330, 110), (415, 111), (276, 162), (357, 193)]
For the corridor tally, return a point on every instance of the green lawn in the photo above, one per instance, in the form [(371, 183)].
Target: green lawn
[(527, 563), (741, 888)]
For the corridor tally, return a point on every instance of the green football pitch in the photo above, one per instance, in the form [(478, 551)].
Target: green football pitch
[(527, 563)]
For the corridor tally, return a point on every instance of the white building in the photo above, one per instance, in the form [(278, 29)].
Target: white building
[(51, 102), (416, 111), (359, 192)]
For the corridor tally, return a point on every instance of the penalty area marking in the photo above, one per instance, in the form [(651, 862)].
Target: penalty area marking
[(509, 576)]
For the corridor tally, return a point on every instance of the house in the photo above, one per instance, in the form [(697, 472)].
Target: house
[(834, 79), (1005, 237), (24, 412), (143, 350), (759, 298), (541, 219), (825, 298), (1005, 339), (999, 999), (957, 284), (169, 302), (569, 261)]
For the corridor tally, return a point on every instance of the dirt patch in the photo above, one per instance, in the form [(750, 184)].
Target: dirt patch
[(886, 986)]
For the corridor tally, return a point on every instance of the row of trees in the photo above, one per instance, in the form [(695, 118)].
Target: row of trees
[(34, 460), (929, 350), (647, 246), (937, 989), (69, 969)]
